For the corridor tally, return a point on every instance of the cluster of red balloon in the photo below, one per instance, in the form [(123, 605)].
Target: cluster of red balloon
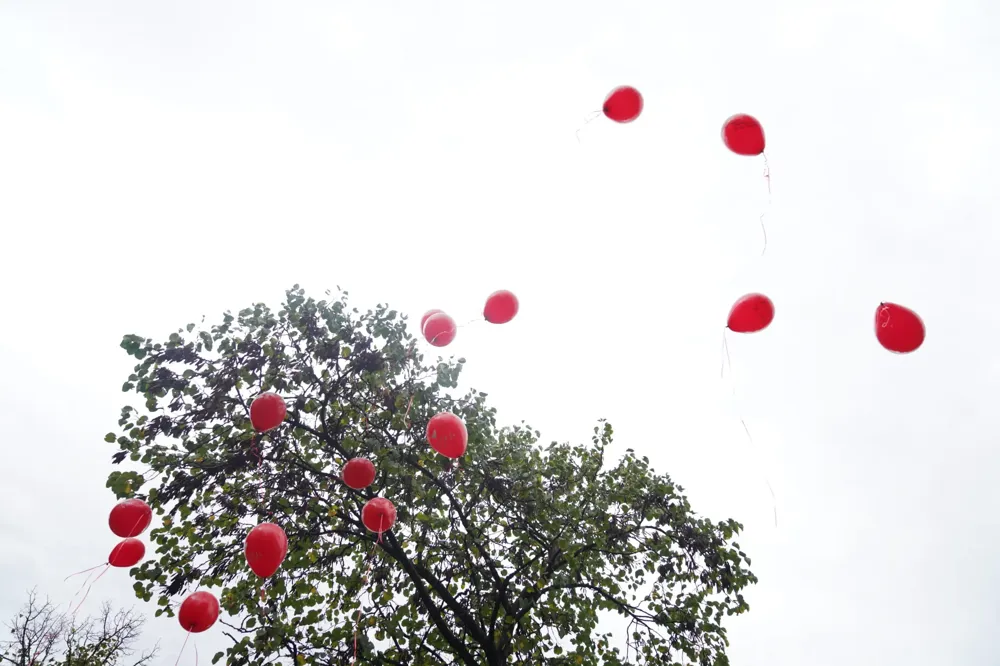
[(897, 328), (267, 544), (128, 519), (439, 329)]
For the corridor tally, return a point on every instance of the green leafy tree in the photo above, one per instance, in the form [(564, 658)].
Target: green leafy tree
[(506, 558)]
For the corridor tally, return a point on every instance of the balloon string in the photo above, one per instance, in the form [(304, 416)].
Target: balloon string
[(774, 500), (727, 360), (256, 451), (364, 581), (90, 587), (85, 571), (767, 177), (594, 115), (406, 416), (186, 638), (457, 326), (85, 581)]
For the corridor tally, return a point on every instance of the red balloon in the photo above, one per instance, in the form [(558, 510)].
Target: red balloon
[(899, 329), (378, 514), (427, 315), (199, 612), (447, 435), (752, 313), (267, 411), (501, 307), (359, 473), (743, 135), (623, 104), (127, 553), (265, 549), (440, 329), (130, 518)]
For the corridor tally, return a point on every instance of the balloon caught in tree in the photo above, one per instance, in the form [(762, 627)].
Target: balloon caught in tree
[(752, 313), (899, 329), (743, 135), (127, 553), (265, 550), (501, 307), (439, 329), (447, 435), (267, 411), (199, 612), (623, 104), (130, 518), (359, 473), (378, 515)]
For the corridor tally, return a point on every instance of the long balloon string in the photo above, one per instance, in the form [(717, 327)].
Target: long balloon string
[(767, 177), (186, 638), (364, 581), (107, 567), (728, 361)]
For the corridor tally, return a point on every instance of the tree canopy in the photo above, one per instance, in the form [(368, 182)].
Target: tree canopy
[(508, 557)]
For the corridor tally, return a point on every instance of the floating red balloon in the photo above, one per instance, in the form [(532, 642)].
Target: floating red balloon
[(752, 313), (427, 315), (439, 329), (130, 518), (501, 307), (359, 473), (899, 329), (127, 553), (267, 411), (378, 514), (623, 104), (199, 612), (447, 435), (743, 135), (265, 549)]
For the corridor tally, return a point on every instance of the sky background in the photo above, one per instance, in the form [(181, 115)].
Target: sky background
[(161, 161)]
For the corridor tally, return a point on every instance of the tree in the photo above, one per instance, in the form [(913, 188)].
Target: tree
[(506, 558), (44, 636)]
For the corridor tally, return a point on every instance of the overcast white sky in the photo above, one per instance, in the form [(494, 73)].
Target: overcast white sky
[(160, 161)]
